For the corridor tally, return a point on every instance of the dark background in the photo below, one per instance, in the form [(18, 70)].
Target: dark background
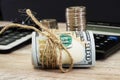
[(97, 10), (0, 12)]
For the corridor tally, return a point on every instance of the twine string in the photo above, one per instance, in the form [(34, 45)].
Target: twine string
[(48, 56)]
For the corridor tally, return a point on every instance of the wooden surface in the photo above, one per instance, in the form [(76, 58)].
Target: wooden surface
[(18, 66)]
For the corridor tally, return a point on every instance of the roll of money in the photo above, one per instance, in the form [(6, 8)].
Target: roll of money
[(76, 18)]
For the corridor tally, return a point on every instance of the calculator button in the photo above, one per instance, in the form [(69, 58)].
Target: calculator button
[(7, 41)]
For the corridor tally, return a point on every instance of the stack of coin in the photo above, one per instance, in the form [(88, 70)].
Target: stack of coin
[(75, 18), (50, 23)]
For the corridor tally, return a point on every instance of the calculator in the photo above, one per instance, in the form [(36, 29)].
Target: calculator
[(13, 37)]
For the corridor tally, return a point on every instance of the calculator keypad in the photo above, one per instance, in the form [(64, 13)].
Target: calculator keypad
[(106, 45), (12, 35)]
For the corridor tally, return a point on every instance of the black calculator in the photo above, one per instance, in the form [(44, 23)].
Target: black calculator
[(106, 45), (12, 38), (107, 38)]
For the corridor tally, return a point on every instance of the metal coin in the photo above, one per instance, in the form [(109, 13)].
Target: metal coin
[(75, 18)]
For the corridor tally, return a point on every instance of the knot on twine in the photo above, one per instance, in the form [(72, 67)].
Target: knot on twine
[(48, 56)]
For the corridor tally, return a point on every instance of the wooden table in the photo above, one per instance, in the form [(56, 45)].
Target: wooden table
[(18, 66)]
